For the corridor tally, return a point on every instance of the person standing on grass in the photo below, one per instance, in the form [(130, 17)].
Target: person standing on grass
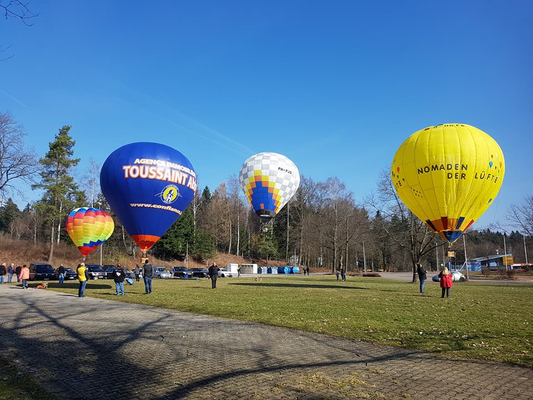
[(445, 282), (213, 273), (83, 277), (2, 273), (17, 271), (137, 272), (422, 276), (118, 277), (61, 274), (10, 272), (147, 276), (24, 276)]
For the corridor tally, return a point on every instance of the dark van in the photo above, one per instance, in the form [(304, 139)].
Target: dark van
[(42, 272)]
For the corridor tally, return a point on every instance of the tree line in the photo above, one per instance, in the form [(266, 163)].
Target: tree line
[(322, 226)]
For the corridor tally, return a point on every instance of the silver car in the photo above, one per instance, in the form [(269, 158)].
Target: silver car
[(456, 277), (223, 273), (161, 273)]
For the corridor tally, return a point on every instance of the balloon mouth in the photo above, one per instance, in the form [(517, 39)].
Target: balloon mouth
[(145, 242), (85, 251), (450, 229), (451, 236), (265, 215)]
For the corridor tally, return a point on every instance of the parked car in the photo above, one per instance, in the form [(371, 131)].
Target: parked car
[(41, 271), (131, 274), (456, 277), (181, 272), (198, 273), (95, 271), (69, 274), (109, 269), (161, 273), (223, 272)]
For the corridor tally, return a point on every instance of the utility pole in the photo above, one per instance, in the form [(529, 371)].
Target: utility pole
[(466, 258), (437, 256), (187, 256), (525, 249), (505, 251), (364, 256)]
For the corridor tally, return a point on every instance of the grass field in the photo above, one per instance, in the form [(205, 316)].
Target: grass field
[(480, 320)]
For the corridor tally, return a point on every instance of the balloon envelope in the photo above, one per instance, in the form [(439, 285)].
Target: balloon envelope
[(448, 175), (148, 186), (269, 180), (88, 228)]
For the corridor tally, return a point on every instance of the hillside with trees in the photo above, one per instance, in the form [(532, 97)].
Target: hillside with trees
[(321, 226)]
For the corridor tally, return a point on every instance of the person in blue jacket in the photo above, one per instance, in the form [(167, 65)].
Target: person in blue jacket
[(422, 276)]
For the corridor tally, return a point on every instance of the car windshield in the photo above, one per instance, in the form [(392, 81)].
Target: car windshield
[(44, 268), (181, 269), (95, 268)]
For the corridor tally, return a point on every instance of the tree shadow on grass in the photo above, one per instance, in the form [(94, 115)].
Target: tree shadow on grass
[(298, 285)]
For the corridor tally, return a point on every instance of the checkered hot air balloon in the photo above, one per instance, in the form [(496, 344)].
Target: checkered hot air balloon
[(88, 228), (269, 180)]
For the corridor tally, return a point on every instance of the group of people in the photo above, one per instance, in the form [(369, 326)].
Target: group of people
[(119, 276), (341, 274), (22, 274), (446, 281)]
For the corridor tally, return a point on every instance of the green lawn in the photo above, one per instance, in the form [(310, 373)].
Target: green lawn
[(479, 320)]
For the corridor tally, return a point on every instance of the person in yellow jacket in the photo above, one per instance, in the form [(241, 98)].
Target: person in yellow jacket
[(83, 277)]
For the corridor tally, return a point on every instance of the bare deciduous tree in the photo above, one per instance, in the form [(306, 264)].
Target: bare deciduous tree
[(522, 215), (17, 162), (18, 10), (405, 230)]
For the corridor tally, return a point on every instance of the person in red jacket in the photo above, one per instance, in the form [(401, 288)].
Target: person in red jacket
[(445, 281)]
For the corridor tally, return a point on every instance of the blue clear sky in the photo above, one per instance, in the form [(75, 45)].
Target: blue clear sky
[(336, 86)]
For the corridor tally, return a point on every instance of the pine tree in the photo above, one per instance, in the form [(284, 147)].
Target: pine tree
[(61, 191), (8, 213)]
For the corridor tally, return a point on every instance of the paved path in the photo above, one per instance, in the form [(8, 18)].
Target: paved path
[(85, 348)]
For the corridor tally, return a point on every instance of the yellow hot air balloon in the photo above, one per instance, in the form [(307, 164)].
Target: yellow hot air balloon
[(448, 175)]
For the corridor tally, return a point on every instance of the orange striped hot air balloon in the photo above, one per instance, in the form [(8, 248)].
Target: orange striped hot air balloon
[(88, 228)]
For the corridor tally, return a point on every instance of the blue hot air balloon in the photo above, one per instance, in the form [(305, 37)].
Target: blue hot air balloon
[(148, 186)]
